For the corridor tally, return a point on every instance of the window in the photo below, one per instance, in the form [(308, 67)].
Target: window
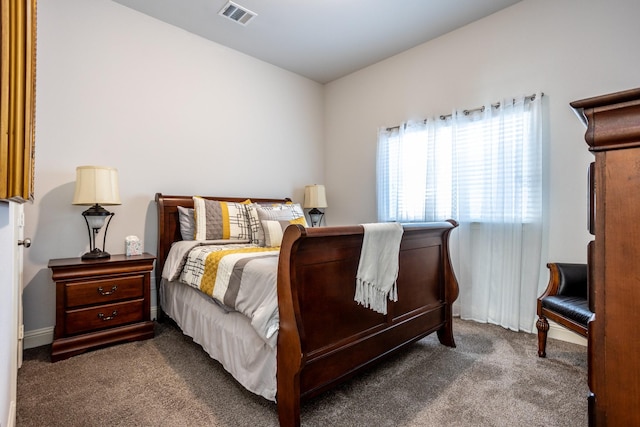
[(481, 166)]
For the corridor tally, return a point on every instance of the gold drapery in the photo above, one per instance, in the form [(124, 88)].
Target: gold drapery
[(17, 99)]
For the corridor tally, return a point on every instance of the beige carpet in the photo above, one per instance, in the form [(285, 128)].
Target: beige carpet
[(492, 378)]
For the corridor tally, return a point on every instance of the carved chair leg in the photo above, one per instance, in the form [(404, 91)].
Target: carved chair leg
[(543, 327)]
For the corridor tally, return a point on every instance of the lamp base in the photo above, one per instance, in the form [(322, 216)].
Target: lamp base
[(95, 254), (316, 217)]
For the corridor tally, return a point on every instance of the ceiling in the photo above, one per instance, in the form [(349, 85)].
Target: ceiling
[(321, 39)]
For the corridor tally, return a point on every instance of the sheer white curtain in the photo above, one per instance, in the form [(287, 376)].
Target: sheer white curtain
[(482, 168)]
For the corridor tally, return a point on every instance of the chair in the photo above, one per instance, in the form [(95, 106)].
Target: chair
[(565, 301)]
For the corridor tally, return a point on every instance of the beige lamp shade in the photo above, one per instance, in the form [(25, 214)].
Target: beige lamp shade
[(315, 196), (96, 185)]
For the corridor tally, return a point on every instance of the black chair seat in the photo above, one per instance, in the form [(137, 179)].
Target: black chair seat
[(574, 308), (565, 301)]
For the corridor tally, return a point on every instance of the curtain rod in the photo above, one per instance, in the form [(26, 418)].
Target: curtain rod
[(467, 112)]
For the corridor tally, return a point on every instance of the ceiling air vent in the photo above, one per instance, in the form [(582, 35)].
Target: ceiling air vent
[(237, 13)]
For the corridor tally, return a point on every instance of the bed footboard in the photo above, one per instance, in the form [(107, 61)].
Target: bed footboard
[(325, 337)]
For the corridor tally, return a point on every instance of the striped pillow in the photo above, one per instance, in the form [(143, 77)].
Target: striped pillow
[(274, 230), (216, 220)]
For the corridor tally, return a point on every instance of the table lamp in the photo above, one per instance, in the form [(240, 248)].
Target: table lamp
[(96, 186), (314, 198)]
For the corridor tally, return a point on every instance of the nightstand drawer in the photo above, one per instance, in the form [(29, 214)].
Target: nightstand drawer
[(104, 290), (104, 316)]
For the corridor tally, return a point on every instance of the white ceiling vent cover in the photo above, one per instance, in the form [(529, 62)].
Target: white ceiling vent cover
[(237, 13)]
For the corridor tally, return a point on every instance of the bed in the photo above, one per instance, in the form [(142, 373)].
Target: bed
[(324, 337)]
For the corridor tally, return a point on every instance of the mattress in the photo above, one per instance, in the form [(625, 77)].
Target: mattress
[(227, 336)]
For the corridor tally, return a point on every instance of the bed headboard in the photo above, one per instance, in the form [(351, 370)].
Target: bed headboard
[(169, 226)]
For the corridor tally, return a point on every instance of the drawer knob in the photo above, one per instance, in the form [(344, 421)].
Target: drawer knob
[(104, 319), (103, 292)]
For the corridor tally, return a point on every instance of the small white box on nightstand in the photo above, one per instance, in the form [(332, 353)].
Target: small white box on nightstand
[(132, 246)]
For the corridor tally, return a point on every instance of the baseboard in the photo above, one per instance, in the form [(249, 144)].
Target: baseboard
[(11, 420), (561, 333), (44, 336), (38, 337)]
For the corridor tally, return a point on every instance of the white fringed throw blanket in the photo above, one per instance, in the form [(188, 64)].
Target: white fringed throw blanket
[(378, 267)]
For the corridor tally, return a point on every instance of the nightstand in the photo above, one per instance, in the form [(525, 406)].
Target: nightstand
[(101, 302)]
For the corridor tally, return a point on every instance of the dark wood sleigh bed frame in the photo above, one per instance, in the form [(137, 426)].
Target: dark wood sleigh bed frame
[(325, 337)]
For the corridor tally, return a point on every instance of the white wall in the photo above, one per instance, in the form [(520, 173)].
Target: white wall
[(173, 112), (569, 49)]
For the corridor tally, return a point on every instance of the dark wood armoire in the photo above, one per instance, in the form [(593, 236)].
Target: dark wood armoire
[(613, 136)]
